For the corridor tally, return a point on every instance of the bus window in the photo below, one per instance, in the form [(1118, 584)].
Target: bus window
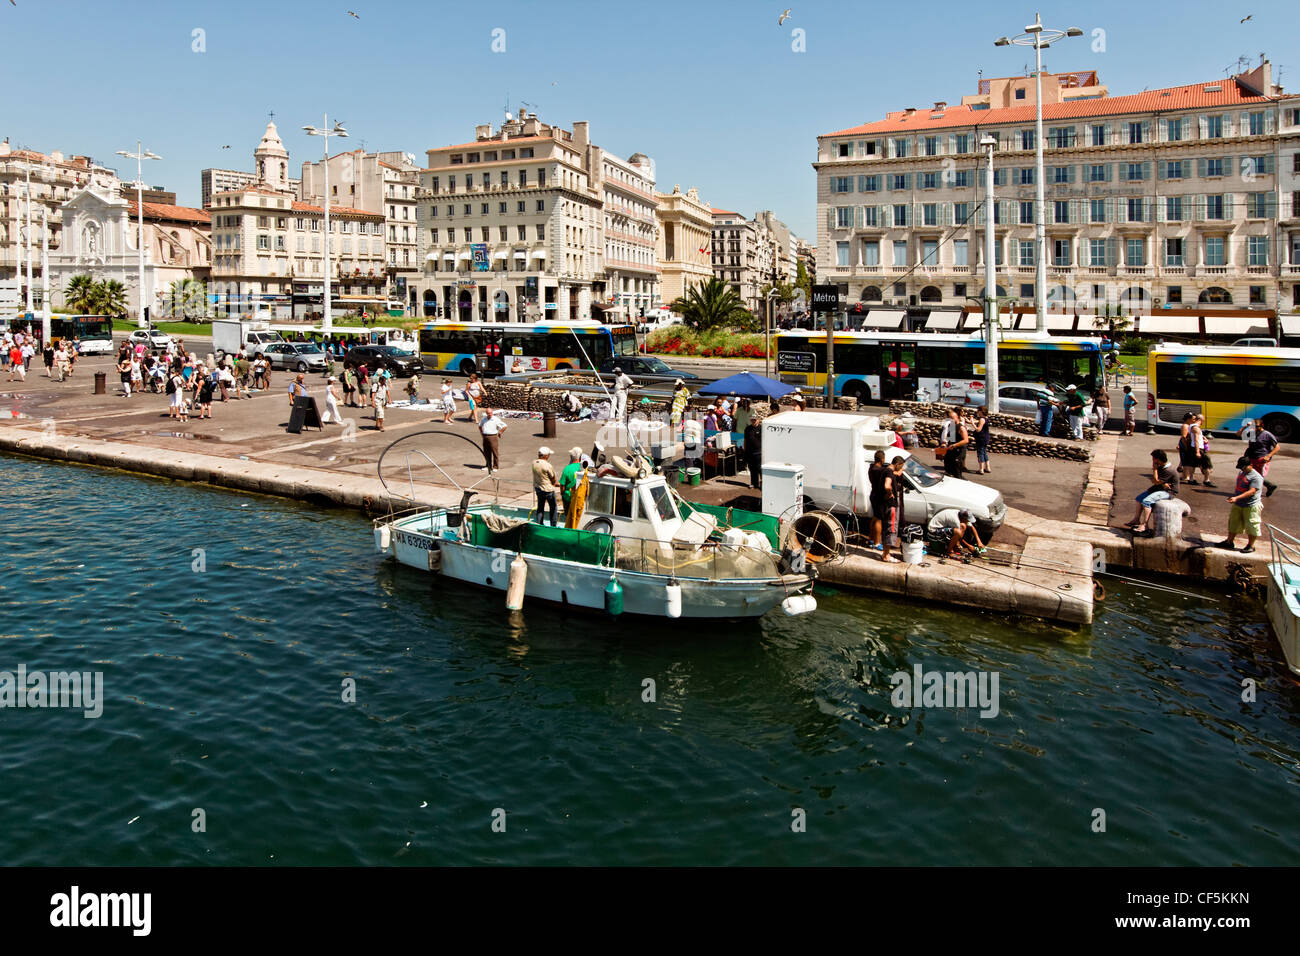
[(625, 343), (559, 345), (597, 348), (856, 359)]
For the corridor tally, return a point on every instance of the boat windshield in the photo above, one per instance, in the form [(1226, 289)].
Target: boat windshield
[(922, 476), (663, 502)]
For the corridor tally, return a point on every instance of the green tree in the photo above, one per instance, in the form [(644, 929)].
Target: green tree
[(803, 281), (712, 304), (80, 294), (109, 298), (187, 298)]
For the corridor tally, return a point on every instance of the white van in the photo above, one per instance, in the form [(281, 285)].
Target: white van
[(836, 450)]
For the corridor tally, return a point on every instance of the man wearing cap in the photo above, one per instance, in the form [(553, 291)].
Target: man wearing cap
[(544, 485), (621, 384), (1247, 506), (1074, 408)]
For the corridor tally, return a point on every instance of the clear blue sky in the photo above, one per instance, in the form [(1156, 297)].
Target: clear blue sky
[(711, 90)]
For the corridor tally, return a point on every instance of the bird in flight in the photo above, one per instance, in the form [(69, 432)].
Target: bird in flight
[(227, 146), (353, 15), (1249, 16), (785, 16)]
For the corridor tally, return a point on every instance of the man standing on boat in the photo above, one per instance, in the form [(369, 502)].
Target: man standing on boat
[(573, 488), (491, 428), (544, 485)]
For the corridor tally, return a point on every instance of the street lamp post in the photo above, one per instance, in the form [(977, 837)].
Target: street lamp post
[(991, 325), (28, 239), (140, 155), (1040, 38), (45, 276), (326, 131), (767, 336)]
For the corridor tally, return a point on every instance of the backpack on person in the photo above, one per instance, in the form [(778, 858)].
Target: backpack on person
[(171, 384)]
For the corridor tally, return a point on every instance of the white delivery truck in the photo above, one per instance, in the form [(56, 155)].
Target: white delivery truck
[(836, 451), (231, 335)]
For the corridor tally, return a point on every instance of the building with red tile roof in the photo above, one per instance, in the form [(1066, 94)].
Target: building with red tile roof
[(1184, 197)]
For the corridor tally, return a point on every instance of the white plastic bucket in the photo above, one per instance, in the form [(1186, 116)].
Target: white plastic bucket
[(913, 551)]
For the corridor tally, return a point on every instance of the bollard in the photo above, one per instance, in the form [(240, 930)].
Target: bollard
[(101, 383), (548, 424)]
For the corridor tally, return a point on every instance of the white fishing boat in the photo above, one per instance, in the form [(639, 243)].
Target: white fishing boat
[(639, 548), (1284, 594)]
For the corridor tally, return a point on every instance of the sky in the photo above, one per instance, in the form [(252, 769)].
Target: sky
[(719, 94)]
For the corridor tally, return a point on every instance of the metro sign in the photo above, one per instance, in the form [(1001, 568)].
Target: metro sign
[(825, 298)]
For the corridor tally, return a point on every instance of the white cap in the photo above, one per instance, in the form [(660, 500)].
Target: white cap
[(544, 451)]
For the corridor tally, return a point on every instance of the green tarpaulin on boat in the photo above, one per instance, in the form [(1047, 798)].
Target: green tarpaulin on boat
[(564, 544), (744, 520)]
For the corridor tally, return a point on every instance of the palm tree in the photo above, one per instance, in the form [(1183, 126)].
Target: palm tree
[(80, 294), (711, 304), (188, 298), (110, 298)]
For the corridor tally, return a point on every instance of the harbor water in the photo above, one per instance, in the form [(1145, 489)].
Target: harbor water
[(228, 629)]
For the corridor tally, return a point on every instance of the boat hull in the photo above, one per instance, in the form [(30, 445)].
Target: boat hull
[(581, 585), (1284, 610)]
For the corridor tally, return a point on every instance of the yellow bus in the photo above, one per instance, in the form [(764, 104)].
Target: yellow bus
[(1231, 386), (504, 348)]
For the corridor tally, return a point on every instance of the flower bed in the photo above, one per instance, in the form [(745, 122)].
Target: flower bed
[(676, 340)]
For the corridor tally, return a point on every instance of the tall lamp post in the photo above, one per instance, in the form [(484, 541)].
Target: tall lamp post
[(1040, 38), (991, 328), (326, 131), (140, 155), (767, 336), (29, 238)]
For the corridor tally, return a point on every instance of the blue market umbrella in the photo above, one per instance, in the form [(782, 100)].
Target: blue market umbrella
[(748, 385)]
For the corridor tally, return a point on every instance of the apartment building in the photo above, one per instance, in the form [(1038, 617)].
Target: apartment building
[(513, 226), (782, 244), (268, 247), (742, 255), (213, 181), (378, 182), (685, 242), (50, 180), (630, 285), (1167, 199)]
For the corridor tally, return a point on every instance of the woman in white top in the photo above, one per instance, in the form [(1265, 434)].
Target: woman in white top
[(332, 402), (448, 401), (176, 405)]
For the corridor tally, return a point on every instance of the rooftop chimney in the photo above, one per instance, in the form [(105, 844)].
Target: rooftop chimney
[(580, 134), (940, 105), (483, 131)]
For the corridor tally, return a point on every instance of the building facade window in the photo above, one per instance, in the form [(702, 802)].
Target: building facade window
[(1174, 252), (1257, 250), (1214, 251)]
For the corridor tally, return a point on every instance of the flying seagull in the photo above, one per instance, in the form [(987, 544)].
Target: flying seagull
[(226, 147), (353, 15), (785, 16), (1249, 16)]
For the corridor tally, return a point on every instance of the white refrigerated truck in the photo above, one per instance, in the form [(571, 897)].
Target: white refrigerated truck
[(231, 335), (836, 451)]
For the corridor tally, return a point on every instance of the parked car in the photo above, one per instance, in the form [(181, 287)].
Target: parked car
[(1021, 398), (385, 356), (645, 365), (1257, 341), (296, 356), (151, 338)]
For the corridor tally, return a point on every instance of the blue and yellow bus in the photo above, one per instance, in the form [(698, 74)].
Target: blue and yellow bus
[(879, 366), (1229, 386), (503, 348)]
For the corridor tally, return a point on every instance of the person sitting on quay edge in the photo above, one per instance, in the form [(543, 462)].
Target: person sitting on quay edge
[(1164, 478)]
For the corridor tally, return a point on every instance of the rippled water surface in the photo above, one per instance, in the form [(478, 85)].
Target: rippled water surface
[(223, 691)]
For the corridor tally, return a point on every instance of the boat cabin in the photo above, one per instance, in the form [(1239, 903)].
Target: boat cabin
[(642, 508)]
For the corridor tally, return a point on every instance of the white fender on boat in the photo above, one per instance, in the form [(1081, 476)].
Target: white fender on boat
[(515, 586), (673, 599), (383, 538), (799, 604), (435, 560), (627, 467)]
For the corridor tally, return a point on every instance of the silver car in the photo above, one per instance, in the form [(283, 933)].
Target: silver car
[(1021, 398), (296, 356)]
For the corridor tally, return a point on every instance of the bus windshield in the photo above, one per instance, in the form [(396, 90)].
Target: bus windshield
[(625, 343)]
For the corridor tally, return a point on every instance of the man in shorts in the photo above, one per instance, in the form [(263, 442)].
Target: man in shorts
[(1247, 507), (1130, 405), (1164, 484), (1261, 446)]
